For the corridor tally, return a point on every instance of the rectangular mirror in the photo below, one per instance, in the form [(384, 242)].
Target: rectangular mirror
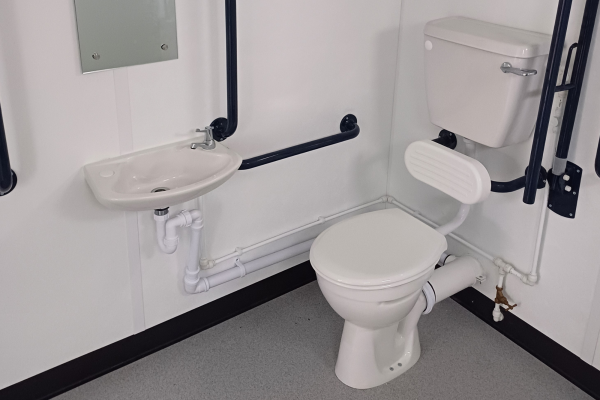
[(121, 33)]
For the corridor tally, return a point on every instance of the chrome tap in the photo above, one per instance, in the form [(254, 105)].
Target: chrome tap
[(209, 143)]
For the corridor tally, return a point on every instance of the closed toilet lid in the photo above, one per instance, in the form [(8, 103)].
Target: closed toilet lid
[(381, 248)]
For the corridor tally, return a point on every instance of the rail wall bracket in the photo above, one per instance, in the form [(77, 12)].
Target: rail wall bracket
[(564, 191)]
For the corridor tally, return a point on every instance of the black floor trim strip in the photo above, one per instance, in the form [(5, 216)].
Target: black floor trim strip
[(561, 360), (102, 361)]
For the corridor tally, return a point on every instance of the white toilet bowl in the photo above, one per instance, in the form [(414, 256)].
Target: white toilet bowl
[(377, 270), (371, 269), (380, 339)]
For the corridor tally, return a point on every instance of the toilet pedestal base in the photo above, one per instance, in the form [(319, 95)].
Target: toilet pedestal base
[(372, 357)]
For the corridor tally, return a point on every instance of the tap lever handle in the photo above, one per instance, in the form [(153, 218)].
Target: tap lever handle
[(209, 133), (208, 129)]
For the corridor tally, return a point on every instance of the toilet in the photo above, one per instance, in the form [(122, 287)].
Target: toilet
[(378, 270)]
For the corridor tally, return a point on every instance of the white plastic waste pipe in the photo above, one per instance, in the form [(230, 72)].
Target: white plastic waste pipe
[(455, 276), (168, 240), (192, 270), (166, 228), (321, 220), (161, 225), (499, 262), (497, 314), (532, 278), (503, 267), (470, 147), (429, 222), (533, 274), (242, 269)]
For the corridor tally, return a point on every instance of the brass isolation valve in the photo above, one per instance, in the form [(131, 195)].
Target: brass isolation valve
[(501, 299)]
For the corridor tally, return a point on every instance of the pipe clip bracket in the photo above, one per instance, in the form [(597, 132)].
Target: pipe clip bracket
[(242, 267)]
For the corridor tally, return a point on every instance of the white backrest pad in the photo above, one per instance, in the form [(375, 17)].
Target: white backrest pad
[(455, 174)]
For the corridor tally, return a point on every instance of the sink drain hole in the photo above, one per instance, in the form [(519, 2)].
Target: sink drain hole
[(160, 211)]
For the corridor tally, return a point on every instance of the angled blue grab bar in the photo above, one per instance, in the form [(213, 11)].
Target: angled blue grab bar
[(350, 130)]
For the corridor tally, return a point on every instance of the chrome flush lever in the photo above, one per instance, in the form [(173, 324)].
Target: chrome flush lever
[(507, 68)]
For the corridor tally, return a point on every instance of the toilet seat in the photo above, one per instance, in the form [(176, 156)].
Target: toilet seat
[(377, 250)]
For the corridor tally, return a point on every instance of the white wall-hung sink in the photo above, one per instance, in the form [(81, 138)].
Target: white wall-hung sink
[(160, 177)]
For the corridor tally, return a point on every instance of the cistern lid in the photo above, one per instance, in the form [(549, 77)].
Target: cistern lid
[(494, 38), (377, 249)]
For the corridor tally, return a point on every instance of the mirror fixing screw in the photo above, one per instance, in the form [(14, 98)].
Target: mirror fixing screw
[(96, 56), (165, 47)]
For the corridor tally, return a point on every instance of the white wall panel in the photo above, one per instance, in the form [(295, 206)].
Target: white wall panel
[(503, 225), (302, 67), (70, 268), (64, 280), (75, 277)]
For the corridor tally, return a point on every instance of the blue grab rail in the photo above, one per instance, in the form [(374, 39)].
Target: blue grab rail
[(350, 130)]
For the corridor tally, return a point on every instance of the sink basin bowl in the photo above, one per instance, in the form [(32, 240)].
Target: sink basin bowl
[(160, 177)]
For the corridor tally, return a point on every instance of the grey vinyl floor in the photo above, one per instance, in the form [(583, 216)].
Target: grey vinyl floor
[(286, 349)]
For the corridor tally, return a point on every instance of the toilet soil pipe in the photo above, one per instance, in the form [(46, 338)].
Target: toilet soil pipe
[(454, 277), (242, 269)]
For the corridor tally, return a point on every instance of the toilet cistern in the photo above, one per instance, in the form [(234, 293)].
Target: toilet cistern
[(482, 79)]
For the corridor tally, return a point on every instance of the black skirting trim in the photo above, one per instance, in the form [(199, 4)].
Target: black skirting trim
[(561, 360), (116, 355), (102, 361)]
